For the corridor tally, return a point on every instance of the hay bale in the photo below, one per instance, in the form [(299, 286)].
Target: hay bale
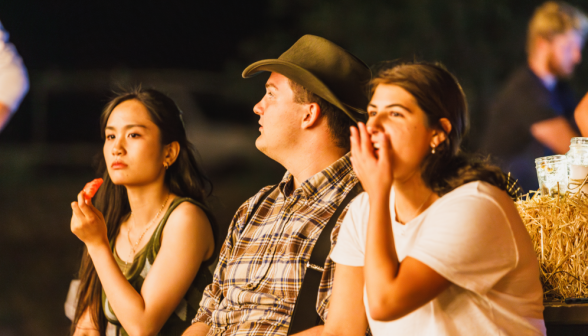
[(559, 229)]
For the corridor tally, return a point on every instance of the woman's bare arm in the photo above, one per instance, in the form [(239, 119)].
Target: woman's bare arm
[(394, 289), (186, 242), (346, 309)]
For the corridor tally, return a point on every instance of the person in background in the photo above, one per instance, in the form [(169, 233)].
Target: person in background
[(581, 116), (532, 116), (315, 92), (14, 82), (436, 240), (150, 239)]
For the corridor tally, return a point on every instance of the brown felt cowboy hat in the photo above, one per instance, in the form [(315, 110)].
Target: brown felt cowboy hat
[(324, 69)]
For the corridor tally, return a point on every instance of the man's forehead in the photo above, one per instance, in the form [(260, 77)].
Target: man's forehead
[(276, 80)]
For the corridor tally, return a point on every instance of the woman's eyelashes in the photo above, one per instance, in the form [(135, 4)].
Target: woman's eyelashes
[(395, 114), (130, 135), (372, 114)]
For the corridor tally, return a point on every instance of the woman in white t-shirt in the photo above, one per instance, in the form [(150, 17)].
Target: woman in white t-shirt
[(435, 246)]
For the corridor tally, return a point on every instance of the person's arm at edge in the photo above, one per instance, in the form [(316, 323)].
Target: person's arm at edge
[(555, 133), (347, 315), (14, 80), (4, 115), (581, 116)]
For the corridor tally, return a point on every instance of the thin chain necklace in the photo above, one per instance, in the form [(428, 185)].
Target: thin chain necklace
[(416, 213), (425, 201), (134, 246)]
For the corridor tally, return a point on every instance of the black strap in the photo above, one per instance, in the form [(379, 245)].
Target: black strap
[(305, 315)]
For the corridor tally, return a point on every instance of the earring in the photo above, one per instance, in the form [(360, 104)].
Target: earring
[(433, 149), (165, 165)]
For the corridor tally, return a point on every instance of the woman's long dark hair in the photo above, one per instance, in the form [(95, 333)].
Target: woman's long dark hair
[(184, 178), (439, 95)]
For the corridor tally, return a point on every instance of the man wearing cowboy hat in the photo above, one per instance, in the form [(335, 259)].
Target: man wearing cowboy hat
[(273, 275)]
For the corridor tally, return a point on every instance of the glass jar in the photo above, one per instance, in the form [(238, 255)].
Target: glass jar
[(578, 164), (552, 172)]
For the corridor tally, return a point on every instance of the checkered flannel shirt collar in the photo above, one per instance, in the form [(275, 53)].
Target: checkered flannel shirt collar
[(319, 182)]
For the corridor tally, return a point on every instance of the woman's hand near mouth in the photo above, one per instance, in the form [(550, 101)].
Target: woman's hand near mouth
[(372, 161)]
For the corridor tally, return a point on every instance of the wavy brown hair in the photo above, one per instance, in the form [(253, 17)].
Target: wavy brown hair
[(184, 178), (439, 95)]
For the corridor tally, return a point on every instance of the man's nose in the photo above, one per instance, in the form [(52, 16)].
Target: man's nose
[(257, 109)]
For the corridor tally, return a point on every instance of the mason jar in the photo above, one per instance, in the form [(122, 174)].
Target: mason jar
[(552, 172), (578, 164)]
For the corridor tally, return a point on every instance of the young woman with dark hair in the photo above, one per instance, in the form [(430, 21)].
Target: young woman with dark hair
[(150, 238), (436, 240)]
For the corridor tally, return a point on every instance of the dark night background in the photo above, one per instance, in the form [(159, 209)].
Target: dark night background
[(77, 52)]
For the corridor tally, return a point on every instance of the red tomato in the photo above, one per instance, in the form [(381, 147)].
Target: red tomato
[(92, 187)]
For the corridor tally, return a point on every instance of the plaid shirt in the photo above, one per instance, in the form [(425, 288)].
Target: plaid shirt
[(262, 264)]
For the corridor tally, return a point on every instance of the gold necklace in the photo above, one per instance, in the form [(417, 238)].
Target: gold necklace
[(134, 246)]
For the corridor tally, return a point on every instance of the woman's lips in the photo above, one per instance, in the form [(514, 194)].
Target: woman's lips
[(118, 165)]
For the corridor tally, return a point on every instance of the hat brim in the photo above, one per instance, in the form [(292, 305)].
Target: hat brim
[(306, 79)]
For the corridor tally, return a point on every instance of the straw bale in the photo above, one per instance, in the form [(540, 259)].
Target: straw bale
[(559, 231)]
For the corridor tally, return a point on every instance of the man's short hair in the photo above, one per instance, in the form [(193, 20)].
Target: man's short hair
[(338, 122), (554, 18)]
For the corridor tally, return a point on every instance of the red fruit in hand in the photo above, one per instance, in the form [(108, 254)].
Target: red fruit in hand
[(92, 187)]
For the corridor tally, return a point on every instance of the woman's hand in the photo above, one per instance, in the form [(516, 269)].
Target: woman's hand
[(372, 166), (87, 222)]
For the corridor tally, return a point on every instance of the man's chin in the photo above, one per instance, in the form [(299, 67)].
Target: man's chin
[(565, 75), (260, 145), (561, 73)]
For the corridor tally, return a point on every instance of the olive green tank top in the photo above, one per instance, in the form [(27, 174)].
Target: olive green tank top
[(138, 270)]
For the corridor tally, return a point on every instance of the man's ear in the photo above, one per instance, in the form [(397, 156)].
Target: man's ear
[(440, 135), (311, 115), (170, 153)]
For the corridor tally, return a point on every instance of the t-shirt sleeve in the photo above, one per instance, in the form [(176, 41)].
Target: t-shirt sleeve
[(350, 247), (468, 241)]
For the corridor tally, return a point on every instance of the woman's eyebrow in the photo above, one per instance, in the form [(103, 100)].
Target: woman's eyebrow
[(398, 105), (126, 126), (393, 105)]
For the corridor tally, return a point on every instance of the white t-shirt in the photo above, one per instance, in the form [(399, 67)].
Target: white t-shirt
[(473, 237)]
